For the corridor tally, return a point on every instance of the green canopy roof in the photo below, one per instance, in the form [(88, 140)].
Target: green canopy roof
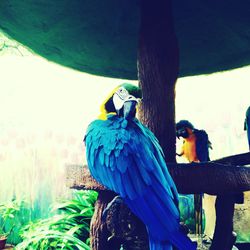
[(100, 37)]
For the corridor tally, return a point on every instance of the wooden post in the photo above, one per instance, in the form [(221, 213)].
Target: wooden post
[(158, 66), (158, 69), (223, 233)]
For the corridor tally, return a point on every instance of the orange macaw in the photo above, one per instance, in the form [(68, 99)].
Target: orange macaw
[(194, 149)]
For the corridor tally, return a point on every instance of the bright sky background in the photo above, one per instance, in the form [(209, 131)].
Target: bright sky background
[(36, 92), (37, 96)]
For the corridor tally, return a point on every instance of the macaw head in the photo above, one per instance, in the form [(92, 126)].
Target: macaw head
[(184, 128), (123, 101)]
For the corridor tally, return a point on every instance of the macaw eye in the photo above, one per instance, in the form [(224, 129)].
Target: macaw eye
[(122, 93)]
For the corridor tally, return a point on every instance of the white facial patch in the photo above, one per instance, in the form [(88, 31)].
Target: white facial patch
[(119, 97), (122, 93)]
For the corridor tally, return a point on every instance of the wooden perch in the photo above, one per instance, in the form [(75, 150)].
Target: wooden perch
[(239, 159), (213, 177), (78, 177)]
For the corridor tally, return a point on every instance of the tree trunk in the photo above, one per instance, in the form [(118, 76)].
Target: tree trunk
[(223, 237), (99, 233), (158, 65)]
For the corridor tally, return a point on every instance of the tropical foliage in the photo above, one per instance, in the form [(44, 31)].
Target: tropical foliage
[(8, 212), (67, 230)]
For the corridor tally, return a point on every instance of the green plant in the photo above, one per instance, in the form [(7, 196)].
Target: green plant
[(67, 230), (8, 212)]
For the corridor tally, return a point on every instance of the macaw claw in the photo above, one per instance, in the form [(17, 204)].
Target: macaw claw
[(116, 201)]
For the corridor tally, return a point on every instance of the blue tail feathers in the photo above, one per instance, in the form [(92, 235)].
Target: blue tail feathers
[(158, 245), (183, 243)]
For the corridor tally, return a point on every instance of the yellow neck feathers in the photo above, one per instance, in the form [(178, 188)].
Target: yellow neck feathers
[(103, 111)]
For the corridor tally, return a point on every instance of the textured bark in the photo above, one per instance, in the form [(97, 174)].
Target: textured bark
[(158, 65), (125, 227), (99, 233), (78, 177), (240, 159), (211, 178)]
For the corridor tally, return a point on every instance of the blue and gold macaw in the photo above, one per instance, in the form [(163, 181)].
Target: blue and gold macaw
[(195, 148), (247, 125), (126, 157)]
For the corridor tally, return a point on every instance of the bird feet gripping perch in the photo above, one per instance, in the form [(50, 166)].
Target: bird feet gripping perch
[(114, 203)]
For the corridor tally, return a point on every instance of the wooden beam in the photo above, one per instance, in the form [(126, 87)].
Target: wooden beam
[(210, 177)]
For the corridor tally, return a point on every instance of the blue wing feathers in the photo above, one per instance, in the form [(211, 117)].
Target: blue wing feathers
[(144, 163), (169, 223), (126, 158), (129, 186), (141, 161), (101, 155), (112, 161), (106, 160), (136, 179), (119, 183), (122, 163), (160, 190), (145, 175)]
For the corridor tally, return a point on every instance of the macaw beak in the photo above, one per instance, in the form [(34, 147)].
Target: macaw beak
[(129, 107), (182, 133)]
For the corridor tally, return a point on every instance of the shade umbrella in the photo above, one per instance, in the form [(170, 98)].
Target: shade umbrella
[(100, 37)]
